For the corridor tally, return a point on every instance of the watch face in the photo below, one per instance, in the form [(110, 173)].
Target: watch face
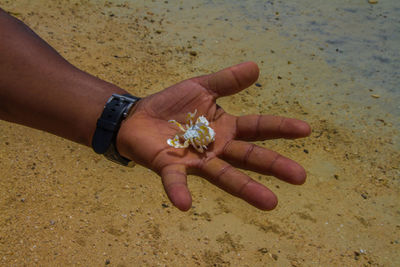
[(113, 155)]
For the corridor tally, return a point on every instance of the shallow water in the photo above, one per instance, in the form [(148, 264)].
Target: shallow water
[(357, 42), (361, 39)]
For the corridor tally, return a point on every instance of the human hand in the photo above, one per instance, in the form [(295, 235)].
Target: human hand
[(143, 138)]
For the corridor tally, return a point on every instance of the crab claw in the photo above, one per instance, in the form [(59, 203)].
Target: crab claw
[(176, 143)]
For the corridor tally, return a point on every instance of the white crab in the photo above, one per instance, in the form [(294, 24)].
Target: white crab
[(199, 135)]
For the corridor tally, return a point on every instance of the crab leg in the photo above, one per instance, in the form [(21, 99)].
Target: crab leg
[(178, 124), (190, 117), (196, 146)]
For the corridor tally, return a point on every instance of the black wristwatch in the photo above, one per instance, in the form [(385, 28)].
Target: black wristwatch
[(115, 111)]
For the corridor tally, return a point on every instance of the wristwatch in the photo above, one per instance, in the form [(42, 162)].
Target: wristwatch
[(115, 111)]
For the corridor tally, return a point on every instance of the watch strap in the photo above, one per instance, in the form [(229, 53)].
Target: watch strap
[(115, 110)]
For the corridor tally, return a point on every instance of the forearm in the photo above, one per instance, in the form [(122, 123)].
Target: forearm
[(40, 89)]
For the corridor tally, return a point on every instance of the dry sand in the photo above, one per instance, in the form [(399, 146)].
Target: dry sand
[(62, 205)]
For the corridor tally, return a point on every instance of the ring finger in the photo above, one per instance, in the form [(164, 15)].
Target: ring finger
[(238, 184), (252, 157)]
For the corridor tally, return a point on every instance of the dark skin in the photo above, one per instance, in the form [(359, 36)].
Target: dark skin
[(40, 89)]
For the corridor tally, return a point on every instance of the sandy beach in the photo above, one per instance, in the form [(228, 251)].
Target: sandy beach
[(63, 205)]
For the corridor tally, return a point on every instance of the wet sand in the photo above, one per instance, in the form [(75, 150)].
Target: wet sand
[(61, 204)]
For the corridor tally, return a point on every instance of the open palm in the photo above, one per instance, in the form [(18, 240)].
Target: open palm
[(143, 137)]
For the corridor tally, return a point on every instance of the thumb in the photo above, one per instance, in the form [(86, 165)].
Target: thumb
[(231, 80)]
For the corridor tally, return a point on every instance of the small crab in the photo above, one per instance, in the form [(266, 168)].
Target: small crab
[(199, 135)]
